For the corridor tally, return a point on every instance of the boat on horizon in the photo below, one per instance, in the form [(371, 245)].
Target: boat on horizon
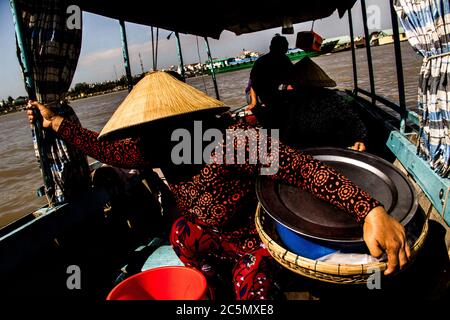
[(247, 60)]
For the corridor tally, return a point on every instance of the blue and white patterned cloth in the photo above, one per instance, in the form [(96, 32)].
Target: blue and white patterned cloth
[(53, 52), (427, 26)]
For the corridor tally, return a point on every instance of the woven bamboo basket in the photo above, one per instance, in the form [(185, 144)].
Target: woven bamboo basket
[(323, 271)]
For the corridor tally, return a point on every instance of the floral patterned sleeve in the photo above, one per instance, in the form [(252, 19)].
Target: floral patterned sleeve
[(302, 170), (125, 153)]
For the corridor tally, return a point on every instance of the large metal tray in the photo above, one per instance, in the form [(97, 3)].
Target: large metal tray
[(301, 212)]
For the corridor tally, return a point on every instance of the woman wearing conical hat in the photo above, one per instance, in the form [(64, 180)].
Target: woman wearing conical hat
[(310, 114), (216, 196)]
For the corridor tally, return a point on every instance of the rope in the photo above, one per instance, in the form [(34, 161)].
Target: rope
[(200, 61), (426, 59)]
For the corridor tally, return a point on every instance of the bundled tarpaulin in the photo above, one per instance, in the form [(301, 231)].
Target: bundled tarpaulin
[(427, 26), (53, 50)]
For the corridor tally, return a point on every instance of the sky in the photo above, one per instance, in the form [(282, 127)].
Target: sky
[(101, 47)]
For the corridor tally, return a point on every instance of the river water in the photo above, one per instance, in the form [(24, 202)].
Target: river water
[(19, 173)]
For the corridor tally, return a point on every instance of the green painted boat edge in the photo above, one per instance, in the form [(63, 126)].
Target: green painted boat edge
[(435, 187), (246, 65)]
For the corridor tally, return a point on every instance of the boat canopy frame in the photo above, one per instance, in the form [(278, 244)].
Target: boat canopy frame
[(209, 19)]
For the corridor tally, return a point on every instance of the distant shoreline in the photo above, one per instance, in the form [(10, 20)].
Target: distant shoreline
[(4, 113), (22, 108), (97, 94)]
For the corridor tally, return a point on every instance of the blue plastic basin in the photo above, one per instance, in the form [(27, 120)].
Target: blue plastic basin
[(313, 249)]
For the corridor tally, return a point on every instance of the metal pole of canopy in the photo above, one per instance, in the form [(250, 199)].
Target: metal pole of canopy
[(399, 66), (36, 127), (180, 55), (368, 50), (126, 57), (213, 73), (352, 42)]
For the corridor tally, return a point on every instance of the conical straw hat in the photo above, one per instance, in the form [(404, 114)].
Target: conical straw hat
[(155, 97), (308, 73)]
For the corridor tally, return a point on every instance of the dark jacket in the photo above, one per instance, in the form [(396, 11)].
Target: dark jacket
[(268, 73)]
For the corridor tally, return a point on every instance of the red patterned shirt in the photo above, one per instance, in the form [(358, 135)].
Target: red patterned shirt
[(222, 196)]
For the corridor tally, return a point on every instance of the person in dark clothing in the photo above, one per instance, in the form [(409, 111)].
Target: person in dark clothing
[(317, 116), (272, 70), (311, 115), (324, 117), (269, 73)]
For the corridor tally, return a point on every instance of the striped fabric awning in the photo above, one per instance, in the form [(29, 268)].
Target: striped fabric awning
[(53, 52), (427, 26)]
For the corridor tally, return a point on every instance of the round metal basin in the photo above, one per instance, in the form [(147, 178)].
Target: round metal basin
[(308, 216)]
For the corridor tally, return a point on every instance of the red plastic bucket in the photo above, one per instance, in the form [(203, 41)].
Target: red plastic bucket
[(162, 283)]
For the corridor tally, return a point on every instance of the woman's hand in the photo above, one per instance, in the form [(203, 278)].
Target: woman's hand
[(384, 233), (358, 146), (250, 107), (49, 118), (253, 100)]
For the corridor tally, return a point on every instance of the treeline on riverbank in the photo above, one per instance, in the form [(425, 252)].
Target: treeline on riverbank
[(80, 90), (12, 105)]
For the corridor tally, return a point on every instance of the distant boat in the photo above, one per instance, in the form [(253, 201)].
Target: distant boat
[(297, 54), (248, 58), (238, 63), (328, 47), (360, 42)]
